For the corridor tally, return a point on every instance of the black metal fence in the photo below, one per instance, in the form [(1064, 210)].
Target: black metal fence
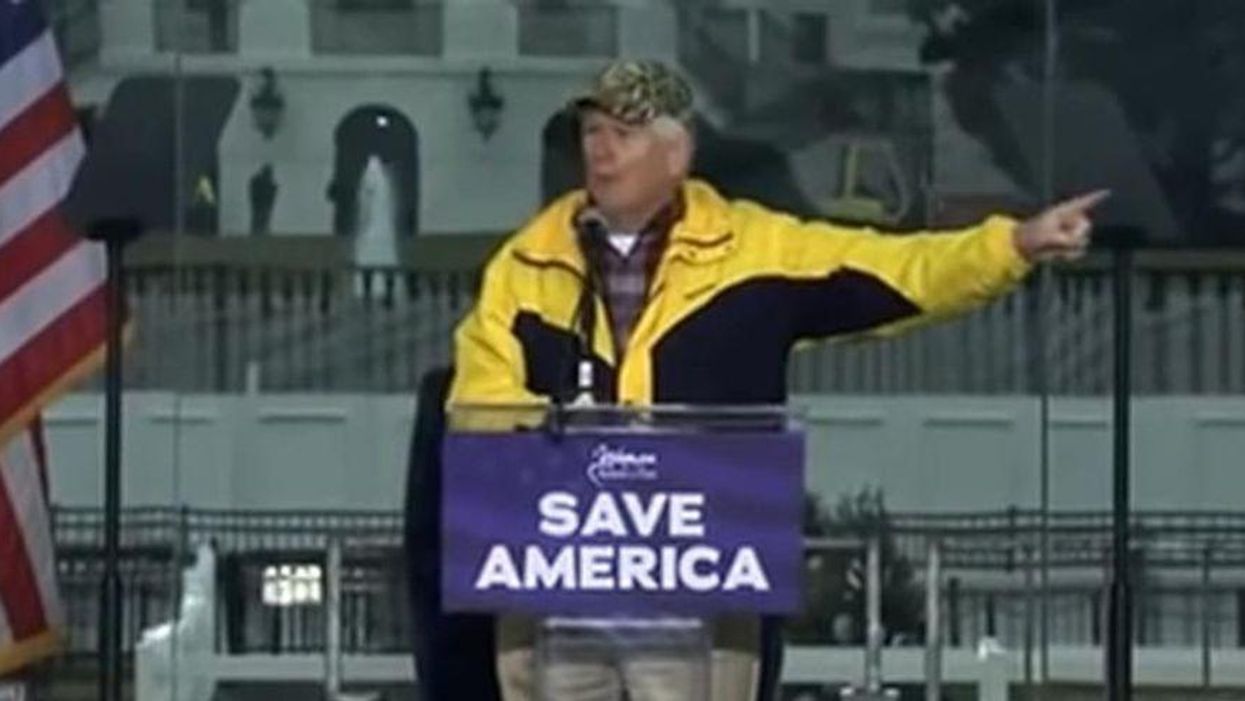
[(211, 328), (224, 328), (1188, 562)]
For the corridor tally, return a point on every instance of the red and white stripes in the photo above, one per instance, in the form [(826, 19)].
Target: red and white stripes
[(32, 615), (51, 317)]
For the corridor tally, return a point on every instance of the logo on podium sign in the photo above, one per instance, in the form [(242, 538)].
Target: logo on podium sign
[(622, 524)]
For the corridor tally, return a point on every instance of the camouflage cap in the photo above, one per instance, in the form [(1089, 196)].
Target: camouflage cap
[(638, 92)]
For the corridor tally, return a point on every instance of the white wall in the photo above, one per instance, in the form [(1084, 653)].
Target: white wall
[(466, 183), (927, 453)]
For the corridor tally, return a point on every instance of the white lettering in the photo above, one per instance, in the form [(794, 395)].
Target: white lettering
[(686, 515), (596, 567), (498, 570), (669, 568), (611, 564), (698, 568), (604, 517), (635, 566), (558, 517), (638, 515), (539, 573), (693, 579), (746, 571), (645, 517)]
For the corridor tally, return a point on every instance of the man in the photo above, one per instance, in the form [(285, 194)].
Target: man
[(650, 287)]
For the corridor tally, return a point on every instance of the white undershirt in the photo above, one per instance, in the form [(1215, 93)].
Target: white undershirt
[(623, 243)]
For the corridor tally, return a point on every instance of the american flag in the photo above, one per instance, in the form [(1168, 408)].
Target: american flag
[(52, 324)]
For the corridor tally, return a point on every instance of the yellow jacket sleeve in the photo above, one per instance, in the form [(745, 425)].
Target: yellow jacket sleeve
[(488, 360), (863, 281)]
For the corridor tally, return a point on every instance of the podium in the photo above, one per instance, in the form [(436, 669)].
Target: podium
[(622, 534)]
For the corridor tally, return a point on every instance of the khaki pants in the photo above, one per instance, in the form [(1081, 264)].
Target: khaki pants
[(733, 674)]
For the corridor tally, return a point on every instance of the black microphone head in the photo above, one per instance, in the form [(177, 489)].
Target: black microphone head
[(590, 221)]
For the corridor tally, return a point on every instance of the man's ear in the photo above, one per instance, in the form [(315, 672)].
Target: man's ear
[(679, 155)]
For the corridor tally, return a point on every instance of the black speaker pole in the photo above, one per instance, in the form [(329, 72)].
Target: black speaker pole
[(1119, 658), (114, 234)]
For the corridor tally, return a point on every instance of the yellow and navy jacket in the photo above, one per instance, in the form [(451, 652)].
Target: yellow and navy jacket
[(736, 288)]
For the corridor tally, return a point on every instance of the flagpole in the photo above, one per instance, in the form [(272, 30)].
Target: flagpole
[(114, 234)]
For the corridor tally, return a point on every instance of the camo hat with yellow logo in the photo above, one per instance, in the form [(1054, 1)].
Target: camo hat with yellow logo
[(637, 92)]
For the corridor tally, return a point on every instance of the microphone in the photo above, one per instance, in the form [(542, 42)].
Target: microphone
[(591, 225), (591, 228), (575, 377)]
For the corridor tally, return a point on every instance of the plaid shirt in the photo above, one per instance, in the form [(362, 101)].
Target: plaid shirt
[(625, 279)]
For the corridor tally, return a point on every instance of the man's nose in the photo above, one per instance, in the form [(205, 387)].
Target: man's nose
[(600, 149)]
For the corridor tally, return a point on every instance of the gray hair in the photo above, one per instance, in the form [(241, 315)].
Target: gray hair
[(670, 128)]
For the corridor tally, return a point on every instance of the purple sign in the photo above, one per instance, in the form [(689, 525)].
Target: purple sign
[(622, 523)]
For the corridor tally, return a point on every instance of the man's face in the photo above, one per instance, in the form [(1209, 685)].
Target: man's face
[(630, 169)]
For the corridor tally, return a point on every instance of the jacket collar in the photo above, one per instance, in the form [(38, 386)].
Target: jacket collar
[(703, 232)]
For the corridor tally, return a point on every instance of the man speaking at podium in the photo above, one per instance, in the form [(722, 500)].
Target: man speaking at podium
[(649, 287)]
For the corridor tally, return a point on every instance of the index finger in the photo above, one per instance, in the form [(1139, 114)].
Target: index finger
[(1082, 203)]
